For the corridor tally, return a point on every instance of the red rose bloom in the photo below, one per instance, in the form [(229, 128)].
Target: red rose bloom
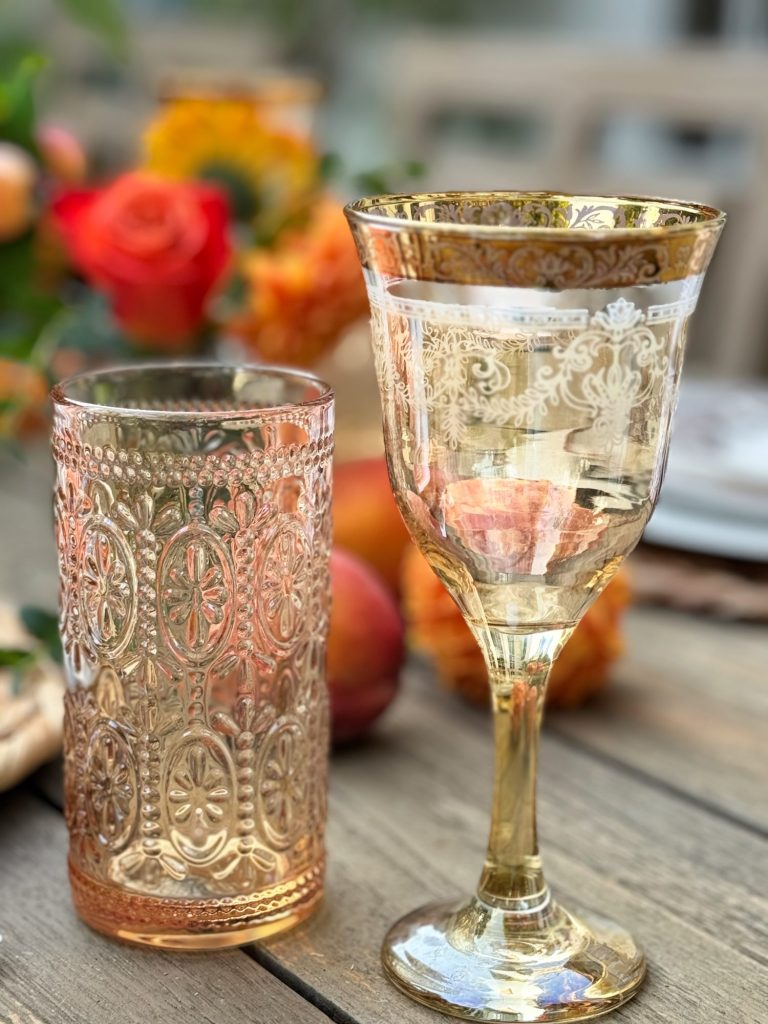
[(156, 247)]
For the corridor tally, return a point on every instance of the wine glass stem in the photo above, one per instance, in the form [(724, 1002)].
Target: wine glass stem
[(518, 668)]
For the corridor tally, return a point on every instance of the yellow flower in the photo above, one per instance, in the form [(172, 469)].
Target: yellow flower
[(269, 174)]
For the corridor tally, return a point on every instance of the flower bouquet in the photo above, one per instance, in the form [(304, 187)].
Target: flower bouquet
[(225, 235)]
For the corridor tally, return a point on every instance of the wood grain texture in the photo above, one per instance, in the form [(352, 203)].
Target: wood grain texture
[(408, 823), (688, 707), (54, 970), (652, 800)]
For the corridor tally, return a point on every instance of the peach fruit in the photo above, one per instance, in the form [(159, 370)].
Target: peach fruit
[(366, 520), (365, 646)]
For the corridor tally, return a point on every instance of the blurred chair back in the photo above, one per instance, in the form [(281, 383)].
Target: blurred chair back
[(691, 123)]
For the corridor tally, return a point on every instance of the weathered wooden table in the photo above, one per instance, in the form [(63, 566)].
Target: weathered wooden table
[(653, 807)]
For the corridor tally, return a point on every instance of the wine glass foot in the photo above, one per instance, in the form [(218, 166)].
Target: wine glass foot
[(481, 963)]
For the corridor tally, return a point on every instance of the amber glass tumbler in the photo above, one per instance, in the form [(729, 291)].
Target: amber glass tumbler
[(192, 514)]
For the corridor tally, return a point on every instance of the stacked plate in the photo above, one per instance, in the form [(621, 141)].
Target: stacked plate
[(715, 494)]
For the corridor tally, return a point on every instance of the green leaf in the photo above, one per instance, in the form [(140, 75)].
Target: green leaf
[(23, 334), (415, 168), (104, 17), (18, 662), (330, 166), (388, 179), (17, 102), (44, 626), (244, 202), (14, 657), (372, 182), (38, 621), (88, 326), (236, 291), (16, 264)]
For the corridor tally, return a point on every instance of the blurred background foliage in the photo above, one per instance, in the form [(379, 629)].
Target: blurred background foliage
[(656, 96)]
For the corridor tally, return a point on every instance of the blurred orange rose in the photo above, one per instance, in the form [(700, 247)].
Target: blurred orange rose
[(519, 525), (303, 293), (62, 154), (156, 247), (18, 177), (23, 398), (437, 629)]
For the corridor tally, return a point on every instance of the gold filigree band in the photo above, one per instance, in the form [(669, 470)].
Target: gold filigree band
[(534, 239)]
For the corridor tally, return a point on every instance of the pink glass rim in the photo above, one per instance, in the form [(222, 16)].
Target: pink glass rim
[(310, 390)]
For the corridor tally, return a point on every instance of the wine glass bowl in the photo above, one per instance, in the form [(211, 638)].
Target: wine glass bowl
[(528, 350)]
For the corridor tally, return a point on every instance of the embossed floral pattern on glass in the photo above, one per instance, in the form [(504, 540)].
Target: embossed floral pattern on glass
[(192, 521)]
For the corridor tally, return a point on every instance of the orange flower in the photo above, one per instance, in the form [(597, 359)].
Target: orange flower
[(303, 293), (23, 398), (437, 629), (62, 154), (18, 176)]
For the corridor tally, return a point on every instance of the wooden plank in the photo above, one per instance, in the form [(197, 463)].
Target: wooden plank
[(55, 970), (409, 820), (687, 706), (408, 823)]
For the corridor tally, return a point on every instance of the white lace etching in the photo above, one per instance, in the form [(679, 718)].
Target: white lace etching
[(465, 375), (605, 366)]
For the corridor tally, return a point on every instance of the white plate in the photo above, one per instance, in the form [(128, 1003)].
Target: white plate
[(718, 460), (715, 494), (708, 533)]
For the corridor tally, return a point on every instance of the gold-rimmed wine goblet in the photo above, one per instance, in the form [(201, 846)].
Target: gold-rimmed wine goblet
[(528, 350)]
